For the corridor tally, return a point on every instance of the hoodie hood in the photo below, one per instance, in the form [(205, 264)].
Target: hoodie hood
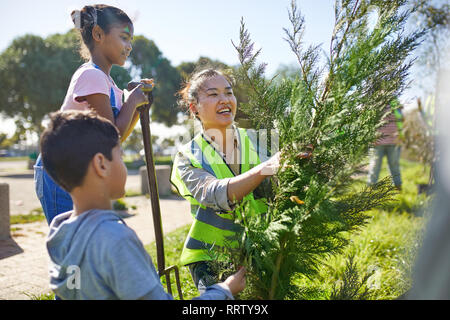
[(66, 244)]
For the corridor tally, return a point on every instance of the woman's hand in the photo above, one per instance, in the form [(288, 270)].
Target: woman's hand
[(270, 167)]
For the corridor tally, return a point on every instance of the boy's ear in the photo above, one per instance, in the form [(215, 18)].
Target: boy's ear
[(100, 165)]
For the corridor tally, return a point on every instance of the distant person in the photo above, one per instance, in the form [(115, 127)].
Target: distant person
[(106, 33), (388, 145), (93, 253)]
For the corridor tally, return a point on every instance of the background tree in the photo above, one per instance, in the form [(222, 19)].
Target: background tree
[(35, 74), (433, 59), (149, 62), (434, 16), (336, 108)]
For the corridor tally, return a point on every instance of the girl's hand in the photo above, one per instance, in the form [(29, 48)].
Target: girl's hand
[(148, 82), (136, 97)]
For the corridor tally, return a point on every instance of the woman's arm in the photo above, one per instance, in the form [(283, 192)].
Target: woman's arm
[(218, 193), (243, 184)]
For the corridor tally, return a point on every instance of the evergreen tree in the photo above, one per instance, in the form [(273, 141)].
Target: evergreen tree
[(334, 110)]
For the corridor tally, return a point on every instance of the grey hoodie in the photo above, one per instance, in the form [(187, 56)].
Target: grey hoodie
[(97, 256)]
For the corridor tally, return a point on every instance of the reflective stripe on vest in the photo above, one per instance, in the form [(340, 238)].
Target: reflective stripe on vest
[(212, 228)]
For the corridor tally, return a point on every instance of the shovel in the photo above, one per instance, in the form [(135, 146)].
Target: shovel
[(144, 113)]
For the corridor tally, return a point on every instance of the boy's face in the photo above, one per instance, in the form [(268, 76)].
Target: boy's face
[(118, 174)]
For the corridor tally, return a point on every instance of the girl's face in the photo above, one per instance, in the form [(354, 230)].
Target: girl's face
[(117, 44), (216, 103)]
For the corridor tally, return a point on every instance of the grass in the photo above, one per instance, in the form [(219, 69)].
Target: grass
[(6, 159), (136, 164), (384, 249), (34, 215), (42, 296), (173, 244)]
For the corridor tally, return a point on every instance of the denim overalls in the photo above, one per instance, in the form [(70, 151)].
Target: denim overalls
[(53, 198)]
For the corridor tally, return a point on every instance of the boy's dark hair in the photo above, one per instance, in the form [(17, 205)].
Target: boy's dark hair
[(100, 14), (71, 141)]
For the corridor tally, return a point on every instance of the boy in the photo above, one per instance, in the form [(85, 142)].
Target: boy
[(93, 254)]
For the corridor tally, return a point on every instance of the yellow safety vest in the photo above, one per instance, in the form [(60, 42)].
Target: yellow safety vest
[(398, 117), (212, 228)]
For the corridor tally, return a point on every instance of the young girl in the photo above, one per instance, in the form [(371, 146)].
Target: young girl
[(215, 170), (106, 33)]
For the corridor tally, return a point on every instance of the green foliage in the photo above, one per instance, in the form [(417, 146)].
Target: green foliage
[(351, 287), (42, 296), (419, 138), (149, 61), (35, 74), (433, 53), (120, 205), (34, 215), (385, 248), (173, 244), (337, 109)]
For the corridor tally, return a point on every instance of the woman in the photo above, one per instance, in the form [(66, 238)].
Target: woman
[(217, 169)]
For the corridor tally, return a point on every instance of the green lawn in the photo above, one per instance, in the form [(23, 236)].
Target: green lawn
[(34, 215), (384, 249)]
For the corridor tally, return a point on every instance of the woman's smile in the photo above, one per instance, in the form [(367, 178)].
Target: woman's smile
[(216, 105)]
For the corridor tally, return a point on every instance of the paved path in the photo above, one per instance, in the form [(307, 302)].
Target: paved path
[(23, 258)]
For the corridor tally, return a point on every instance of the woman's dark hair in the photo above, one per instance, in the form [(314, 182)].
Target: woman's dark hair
[(70, 142), (100, 14)]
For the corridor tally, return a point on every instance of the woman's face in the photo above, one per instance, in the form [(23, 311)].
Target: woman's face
[(216, 103)]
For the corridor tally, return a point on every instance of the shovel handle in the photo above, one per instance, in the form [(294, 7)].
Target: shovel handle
[(153, 187), (146, 87)]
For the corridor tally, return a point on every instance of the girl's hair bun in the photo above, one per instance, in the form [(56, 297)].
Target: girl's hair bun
[(86, 17)]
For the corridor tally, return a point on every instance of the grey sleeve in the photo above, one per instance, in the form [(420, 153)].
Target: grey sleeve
[(215, 292), (131, 273), (204, 187)]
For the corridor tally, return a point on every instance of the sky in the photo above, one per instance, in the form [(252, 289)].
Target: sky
[(183, 30)]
